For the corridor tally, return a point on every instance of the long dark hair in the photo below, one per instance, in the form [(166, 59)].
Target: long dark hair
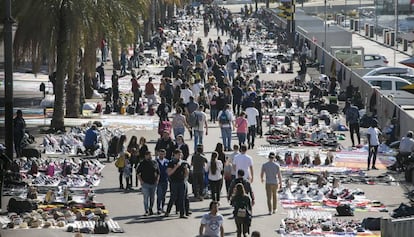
[(121, 141), (213, 162), (220, 152), (133, 142), (239, 190)]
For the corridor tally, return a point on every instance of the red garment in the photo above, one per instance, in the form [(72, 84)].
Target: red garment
[(134, 84), (149, 88)]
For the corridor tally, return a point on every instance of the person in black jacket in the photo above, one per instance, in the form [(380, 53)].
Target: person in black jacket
[(163, 110), (148, 174), (165, 142), (19, 129), (246, 184), (237, 92)]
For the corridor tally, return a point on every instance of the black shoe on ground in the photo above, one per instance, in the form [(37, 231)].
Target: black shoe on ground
[(374, 168), (183, 217), (151, 212), (189, 213)]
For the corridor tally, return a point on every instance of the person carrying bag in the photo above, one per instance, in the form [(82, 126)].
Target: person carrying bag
[(242, 210)]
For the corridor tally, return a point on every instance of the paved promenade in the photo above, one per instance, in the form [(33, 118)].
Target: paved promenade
[(127, 207)]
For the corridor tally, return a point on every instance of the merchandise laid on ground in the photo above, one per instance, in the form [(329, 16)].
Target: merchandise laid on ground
[(320, 223), (57, 192)]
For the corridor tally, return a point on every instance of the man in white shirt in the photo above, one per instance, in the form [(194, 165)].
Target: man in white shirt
[(196, 89), (252, 116), (226, 51), (198, 130), (405, 149), (373, 134), (244, 162), (212, 222), (186, 93)]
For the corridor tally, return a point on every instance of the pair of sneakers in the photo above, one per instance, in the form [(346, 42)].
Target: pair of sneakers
[(149, 213)]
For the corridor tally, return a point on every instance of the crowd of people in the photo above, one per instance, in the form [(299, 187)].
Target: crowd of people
[(199, 79)]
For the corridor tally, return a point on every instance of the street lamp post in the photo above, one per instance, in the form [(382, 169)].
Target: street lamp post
[(345, 9), (324, 42), (395, 30), (376, 20)]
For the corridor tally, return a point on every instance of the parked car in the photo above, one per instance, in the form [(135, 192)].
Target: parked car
[(402, 72), (375, 60), (391, 86)]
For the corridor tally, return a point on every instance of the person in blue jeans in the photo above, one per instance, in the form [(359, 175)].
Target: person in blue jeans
[(178, 171), (226, 122), (149, 175), (200, 127), (163, 182)]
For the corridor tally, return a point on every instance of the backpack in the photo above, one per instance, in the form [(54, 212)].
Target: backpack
[(223, 119), (193, 120)]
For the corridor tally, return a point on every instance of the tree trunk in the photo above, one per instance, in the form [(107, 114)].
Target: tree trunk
[(115, 55), (62, 46), (73, 84), (170, 11), (147, 29), (89, 68), (268, 4), (162, 6)]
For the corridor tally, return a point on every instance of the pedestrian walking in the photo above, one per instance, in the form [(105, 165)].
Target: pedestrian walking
[(271, 170), (163, 181), (148, 174), (242, 128), (201, 126), (199, 164), (177, 171), (242, 210), (252, 117), (179, 123), (244, 162), (373, 134), (352, 119), (226, 123), (215, 177), (133, 149), (212, 222)]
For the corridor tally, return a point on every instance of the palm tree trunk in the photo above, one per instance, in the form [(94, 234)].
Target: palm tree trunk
[(62, 46), (73, 86), (115, 54), (170, 11), (162, 6), (89, 68), (147, 31)]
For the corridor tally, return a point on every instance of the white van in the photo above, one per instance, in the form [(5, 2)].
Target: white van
[(391, 86)]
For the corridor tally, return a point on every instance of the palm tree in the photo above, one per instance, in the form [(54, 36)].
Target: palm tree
[(58, 29)]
